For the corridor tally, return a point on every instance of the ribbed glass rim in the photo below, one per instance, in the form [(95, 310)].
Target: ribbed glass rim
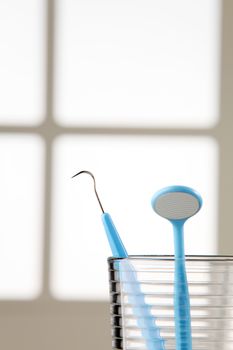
[(171, 258)]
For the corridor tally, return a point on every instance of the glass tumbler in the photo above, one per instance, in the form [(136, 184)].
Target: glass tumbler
[(210, 280)]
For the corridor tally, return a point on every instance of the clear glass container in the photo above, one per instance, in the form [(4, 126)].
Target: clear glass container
[(210, 280)]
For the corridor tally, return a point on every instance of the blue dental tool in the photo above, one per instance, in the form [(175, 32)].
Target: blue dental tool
[(145, 320), (177, 204)]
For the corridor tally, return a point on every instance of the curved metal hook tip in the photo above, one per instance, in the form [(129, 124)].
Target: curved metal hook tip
[(89, 173)]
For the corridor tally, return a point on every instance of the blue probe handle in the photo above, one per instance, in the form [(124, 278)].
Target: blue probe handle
[(128, 276), (115, 242), (145, 320)]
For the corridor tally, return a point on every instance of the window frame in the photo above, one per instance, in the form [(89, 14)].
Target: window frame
[(49, 130)]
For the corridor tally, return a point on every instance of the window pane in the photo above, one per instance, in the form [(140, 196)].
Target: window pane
[(128, 171), (22, 43), (21, 216), (137, 62)]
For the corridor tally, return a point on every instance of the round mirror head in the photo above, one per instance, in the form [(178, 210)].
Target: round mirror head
[(176, 202)]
